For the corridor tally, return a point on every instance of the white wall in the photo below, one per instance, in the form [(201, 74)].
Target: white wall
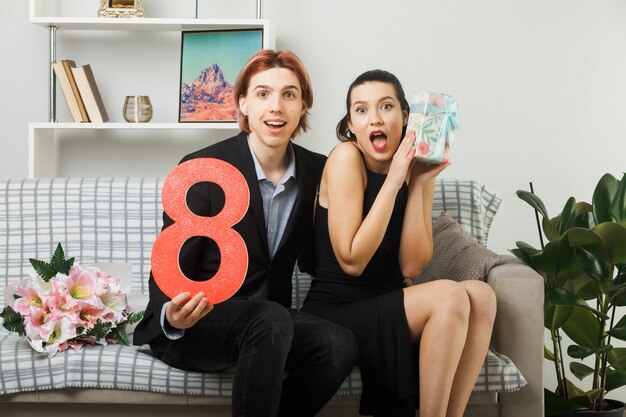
[(541, 85)]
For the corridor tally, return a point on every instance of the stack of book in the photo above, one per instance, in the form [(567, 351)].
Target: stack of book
[(80, 91)]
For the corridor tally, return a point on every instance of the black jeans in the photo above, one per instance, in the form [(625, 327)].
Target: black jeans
[(264, 339)]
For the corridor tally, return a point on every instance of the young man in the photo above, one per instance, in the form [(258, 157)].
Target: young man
[(255, 329)]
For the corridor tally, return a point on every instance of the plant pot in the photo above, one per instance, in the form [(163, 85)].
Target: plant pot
[(616, 411)]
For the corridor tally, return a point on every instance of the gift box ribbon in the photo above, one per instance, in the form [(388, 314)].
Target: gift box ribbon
[(449, 123)]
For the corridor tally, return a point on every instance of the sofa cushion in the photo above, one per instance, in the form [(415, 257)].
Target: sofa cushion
[(134, 368), (456, 255), (112, 366), (499, 374), (470, 203)]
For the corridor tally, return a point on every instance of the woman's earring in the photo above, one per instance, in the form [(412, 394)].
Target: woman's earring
[(348, 133)]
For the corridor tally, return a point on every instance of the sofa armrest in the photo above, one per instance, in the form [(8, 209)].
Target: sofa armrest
[(518, 333)]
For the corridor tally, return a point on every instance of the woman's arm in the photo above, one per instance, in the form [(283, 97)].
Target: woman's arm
[(416, 244), (354, 239)]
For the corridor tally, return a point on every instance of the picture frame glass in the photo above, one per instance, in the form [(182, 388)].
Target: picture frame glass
[(122, 4), (121, 8), (210, 63)]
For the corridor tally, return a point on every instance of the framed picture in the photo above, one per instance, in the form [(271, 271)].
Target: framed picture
[(121, 8), (209, 65)]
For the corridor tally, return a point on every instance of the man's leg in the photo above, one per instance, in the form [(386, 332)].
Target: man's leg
[(322, 356), (254, 335)]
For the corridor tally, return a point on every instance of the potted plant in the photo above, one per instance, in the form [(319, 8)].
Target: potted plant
[(584, 270)]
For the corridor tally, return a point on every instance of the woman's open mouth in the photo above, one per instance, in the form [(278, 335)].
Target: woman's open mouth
[(379, 140)]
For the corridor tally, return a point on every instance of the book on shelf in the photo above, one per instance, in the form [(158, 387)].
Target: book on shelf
[(70, 89), (68, 64), (90, 94)]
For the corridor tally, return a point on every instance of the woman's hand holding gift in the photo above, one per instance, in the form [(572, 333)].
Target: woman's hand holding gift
[(402, 160), (422, 173)]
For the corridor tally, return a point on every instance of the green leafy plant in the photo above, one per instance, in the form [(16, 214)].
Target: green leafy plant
[(57, 264), (584, 270)]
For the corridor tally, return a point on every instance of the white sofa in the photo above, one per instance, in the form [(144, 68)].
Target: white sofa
[(117, 220)]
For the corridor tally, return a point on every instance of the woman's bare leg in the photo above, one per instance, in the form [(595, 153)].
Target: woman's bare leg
[(438, 314), (482, 315)]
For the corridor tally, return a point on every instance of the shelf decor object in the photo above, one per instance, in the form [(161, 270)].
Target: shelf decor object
[(121, 8), (210, 62), (137, 109)]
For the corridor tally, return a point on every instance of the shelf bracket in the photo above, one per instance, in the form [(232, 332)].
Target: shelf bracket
[(259, 9), (52, 106)]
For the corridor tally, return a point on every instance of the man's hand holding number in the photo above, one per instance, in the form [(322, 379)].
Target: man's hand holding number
[(184, 311)]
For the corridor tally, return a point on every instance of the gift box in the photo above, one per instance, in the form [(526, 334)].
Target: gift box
[(433, 118)]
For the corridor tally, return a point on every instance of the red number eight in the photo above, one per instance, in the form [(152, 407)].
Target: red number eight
[(234, 255)]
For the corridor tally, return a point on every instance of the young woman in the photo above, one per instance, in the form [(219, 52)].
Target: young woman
[(420, 345)]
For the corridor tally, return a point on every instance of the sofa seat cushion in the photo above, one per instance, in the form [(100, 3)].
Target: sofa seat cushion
[(112, 366), (135, 368)]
